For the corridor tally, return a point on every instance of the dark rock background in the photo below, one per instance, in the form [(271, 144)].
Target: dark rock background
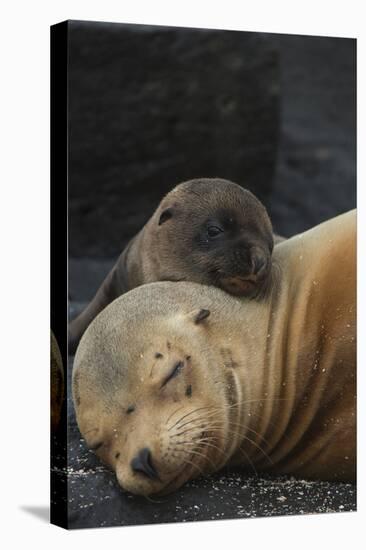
[(150, 107), (153, 106), (316, 171)]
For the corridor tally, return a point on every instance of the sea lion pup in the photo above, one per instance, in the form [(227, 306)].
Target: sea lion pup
[(173, 380), (209, 231)]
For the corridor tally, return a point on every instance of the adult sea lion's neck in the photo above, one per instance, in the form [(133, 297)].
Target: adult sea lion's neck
[(301, 334)]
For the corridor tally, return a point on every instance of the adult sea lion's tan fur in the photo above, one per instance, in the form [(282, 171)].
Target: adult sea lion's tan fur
[(174, 380), (208, 231)]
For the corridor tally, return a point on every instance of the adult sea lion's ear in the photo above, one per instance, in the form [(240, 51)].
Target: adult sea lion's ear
[(165, 215), (198, 316)]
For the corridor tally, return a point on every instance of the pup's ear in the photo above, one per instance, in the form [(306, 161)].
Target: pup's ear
[(198, 316), (165, 215)]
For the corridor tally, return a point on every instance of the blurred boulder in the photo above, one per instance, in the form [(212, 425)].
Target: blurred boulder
[(316, 171), (150, 107)]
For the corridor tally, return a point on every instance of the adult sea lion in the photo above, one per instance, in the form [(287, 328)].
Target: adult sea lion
[(174, 380), (279, 372), (209, 231)]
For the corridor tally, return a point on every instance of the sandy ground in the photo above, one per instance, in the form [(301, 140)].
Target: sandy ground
[(96, 500)]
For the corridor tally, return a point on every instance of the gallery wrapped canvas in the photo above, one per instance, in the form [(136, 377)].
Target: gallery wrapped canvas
[(203, 274)]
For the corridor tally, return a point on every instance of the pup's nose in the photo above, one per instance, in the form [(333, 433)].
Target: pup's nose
[(142, 463), (259, 263)]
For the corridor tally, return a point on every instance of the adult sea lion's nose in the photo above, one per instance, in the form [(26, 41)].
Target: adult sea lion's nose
[(142, 463)]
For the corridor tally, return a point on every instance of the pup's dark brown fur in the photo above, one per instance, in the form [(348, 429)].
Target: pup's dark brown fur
[(208, 231)]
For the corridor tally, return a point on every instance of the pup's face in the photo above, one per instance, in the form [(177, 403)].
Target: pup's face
[(218, 235)]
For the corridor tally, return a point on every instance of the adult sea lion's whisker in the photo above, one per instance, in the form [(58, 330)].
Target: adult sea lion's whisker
[(246, 427), (187, 461), (218, 410), (194, 430), (259, 447), (211, 415), (250, 440), (241, 425), (193, 420), (188, 414), (270, 423), (249, 460), (173, 413), (190, 452), (245, 401), (201, 441), (240, 450), (196, 424), (205, 457), (208, 443)]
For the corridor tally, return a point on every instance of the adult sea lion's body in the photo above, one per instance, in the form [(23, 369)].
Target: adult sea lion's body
[(174, 380), (209, 231)]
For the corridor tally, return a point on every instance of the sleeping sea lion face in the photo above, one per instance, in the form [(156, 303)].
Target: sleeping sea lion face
[(217, 233), (165, 423)]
